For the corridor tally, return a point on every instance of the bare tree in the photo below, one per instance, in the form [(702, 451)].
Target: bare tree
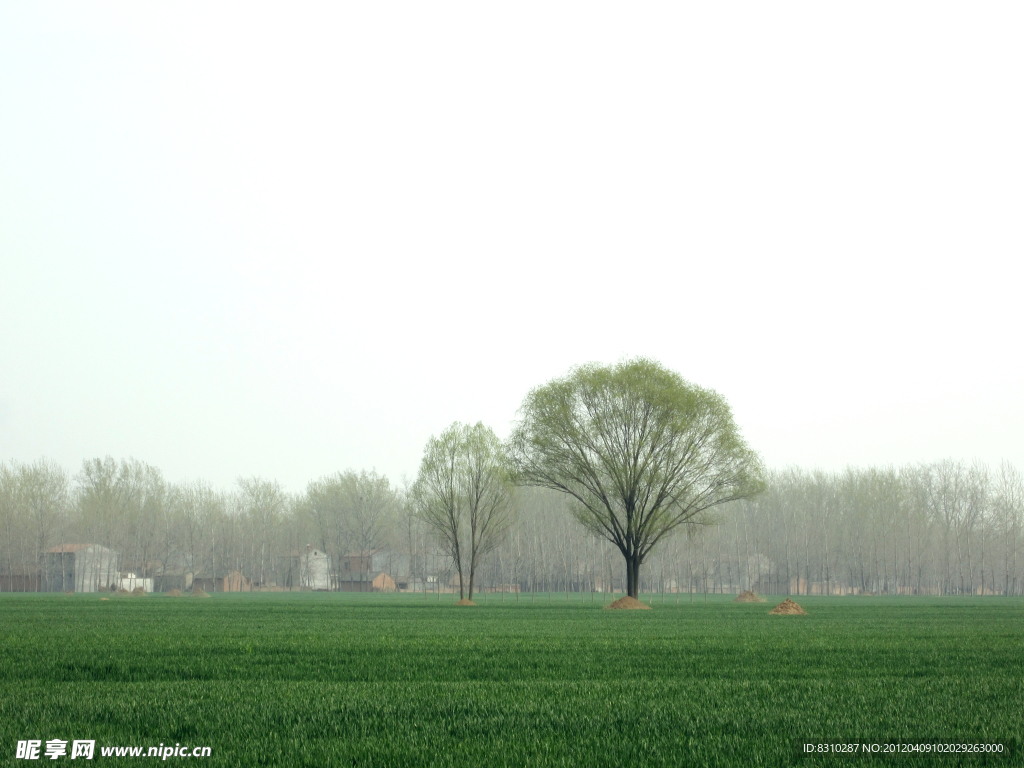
[(262, 502), (464, 494), (325, 503), (1009, 515), (371, 509), (195, 505)]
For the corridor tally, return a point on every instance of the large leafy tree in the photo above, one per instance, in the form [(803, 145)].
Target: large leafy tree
[(639, 450)]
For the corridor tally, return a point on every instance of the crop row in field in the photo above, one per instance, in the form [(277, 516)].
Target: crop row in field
[(327, 679)]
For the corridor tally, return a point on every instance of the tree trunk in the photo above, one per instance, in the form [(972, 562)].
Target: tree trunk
[(633, 575)]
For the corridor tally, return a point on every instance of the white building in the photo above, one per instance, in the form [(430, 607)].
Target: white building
[(80, 568), (130, 581), (315, 569)]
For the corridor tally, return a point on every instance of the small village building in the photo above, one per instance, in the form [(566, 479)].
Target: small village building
[(314, 569), (354, 581), (20, 577), (80, 568), (222, 581), (372, 571), (130, 582)]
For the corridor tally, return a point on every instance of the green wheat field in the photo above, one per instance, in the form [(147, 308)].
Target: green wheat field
[(323, 679)]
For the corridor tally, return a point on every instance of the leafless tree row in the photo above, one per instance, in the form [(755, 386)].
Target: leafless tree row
[(943, 529), (172, 532), (947, 528)]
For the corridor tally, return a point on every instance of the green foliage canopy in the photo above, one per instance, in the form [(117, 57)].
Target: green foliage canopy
[(640, 450)]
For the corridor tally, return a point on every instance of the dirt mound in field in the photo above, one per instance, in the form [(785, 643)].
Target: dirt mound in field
[(122, 591), (174, 593), (628, 603), (199, 593), (465, 602), (787, 608), (748, 597), (138, 591)]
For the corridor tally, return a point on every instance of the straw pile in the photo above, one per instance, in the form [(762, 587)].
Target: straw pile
[(748, 597), (628, 603), (787, 608)]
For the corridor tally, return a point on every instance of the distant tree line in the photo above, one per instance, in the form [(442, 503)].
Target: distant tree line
[(946, 528)]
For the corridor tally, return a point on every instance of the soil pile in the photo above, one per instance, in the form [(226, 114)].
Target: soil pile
[(628, 603), (122, 591), (787, 608), (138, 591), (199, 592), (748, 597), (174, 593), (465, 602)]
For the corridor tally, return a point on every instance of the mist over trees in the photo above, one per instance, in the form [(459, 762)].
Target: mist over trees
[(948, 528)]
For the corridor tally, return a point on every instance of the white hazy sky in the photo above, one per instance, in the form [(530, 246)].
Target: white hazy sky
[(289, 239)]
